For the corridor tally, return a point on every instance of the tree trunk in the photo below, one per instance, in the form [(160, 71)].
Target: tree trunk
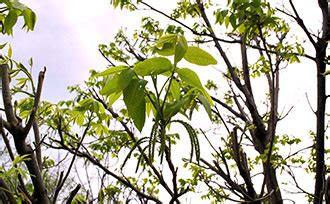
[(14, 126), (40, 193), (272, 186), (320, 115), (320, 50)]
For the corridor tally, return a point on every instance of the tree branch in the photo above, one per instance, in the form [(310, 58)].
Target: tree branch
[(62, 181), (36, 101), (301, 23), (230, 109), (240, 159), (9, 197), (189, 28), (132, 137), (6, 95), (37, 143), (245, 65), (107, 171), (73, 193)]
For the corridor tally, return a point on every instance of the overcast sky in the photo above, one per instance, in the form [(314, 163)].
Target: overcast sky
[(66, 39)]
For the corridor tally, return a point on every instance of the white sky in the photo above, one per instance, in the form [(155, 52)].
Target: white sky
[(66, 39)]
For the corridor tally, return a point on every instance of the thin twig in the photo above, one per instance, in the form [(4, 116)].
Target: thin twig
[(62, 181), (309, 104), (105, 57)]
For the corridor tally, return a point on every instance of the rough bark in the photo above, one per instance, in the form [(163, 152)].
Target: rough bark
[(320, 118), (5, 193), (320, 49), (272, 186), (19, 133)]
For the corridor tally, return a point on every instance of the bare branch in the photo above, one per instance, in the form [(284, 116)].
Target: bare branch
[(6, 140), (297, 184), (105, 57), (230, 109), (107, 171), (189, 28), (36, 101), (234, 186), (310, 105), (37, 142), (73, 193), (245, 65), (241, 161), (302, 24), (62, 181), (6, 95), (4, 189)]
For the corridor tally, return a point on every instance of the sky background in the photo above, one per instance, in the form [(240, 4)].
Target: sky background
[(66, 39), (68, 32)]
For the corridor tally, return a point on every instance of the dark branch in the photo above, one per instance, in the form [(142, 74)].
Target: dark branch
[(36, 101), (73, 193), (6, 95)]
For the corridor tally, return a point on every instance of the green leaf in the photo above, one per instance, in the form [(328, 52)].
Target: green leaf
[(207, 96), (78, 199), (135, 102), (190, 77), (205, 103), (118, 83), (173, 108), (10, 21), (31, 62), (180, 48), (10, 52), (196, 55), (124, 79), (112, 70), (172, 44), (232, 20), (114, 97), (150, 106), (19, 159), (166, 50), (175, 89), (326, 73), (170, 38), (89, 104), (241, 28), (2, 46), (101, 196), (18, 5), (220, 16), (78, 116), (30, 18), (153, 66), (110, 86), (226, 21)]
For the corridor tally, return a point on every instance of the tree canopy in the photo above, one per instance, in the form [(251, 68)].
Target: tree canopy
[(150, 129)]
